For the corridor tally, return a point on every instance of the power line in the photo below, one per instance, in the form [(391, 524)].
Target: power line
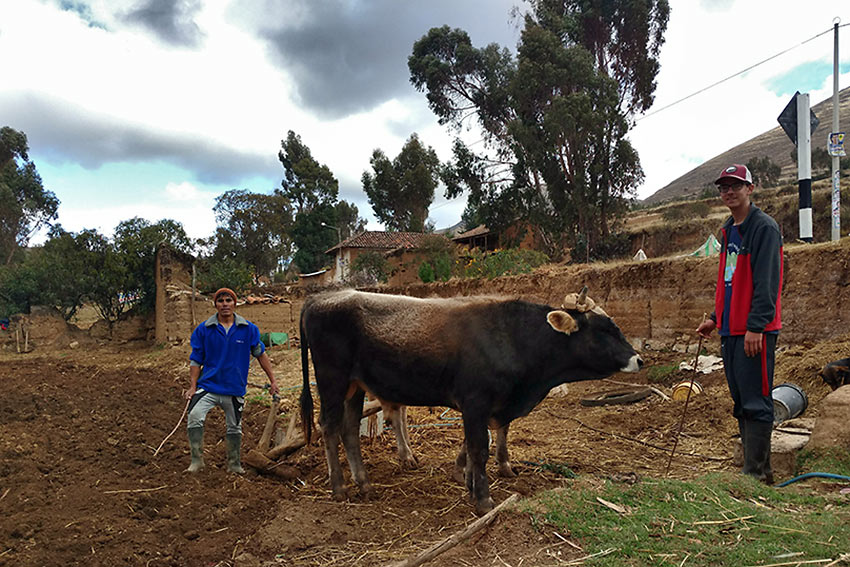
[(702, 90)]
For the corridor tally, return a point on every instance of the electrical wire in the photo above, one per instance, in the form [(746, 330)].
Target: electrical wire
[(751, 67)]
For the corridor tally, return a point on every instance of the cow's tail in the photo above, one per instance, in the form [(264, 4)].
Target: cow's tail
[(306, 395)]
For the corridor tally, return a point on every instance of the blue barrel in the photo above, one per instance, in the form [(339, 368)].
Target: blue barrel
[(789, 401)]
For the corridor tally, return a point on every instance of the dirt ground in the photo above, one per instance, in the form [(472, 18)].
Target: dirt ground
[(81, 485)]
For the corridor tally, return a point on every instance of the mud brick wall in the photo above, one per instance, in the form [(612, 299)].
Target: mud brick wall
[(174, 303), (662, 301)]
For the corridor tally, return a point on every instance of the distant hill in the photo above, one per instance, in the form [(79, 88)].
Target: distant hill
[(773, 144)]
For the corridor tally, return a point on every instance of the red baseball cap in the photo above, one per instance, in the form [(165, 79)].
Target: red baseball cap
[(736, 171)]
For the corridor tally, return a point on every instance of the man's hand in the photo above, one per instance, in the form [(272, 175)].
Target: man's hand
[(273, 389), (190, 392), (706, 327), (752, 343)]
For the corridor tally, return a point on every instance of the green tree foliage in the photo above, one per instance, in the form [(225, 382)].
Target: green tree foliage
[(136, 240), (229, 272), (254, 229), (401, 190), (512, 261), (313, 238), (306, 182), (554, 118), (25, 205), (369, 268), (348, 220), (764, 171), (314, 191), (20, 288)]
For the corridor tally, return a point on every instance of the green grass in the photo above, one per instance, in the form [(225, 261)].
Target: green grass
[(719, 519), (833, 460), (660, 373)]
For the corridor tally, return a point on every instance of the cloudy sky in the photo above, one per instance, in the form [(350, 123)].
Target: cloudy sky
[(153, 108)]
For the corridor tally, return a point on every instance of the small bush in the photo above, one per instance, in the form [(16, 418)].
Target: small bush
[(661, 373), (426, 272), (477, 264), (370, 268)]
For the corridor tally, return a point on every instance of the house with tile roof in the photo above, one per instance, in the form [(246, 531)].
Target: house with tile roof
[(402, 250)]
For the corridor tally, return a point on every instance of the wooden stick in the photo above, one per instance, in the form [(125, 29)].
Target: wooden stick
[(290, 428), (17, 339), (263, 464), (287, 447), (685, 409), (135, 490), (26, 340), (455, 539), (266, 437), (663, 396), (173, 430)]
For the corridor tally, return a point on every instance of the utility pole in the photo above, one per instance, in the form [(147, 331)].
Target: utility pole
[(804, 166), (836, 155)]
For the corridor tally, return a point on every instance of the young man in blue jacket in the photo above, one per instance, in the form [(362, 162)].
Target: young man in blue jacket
[(222, 347), (747, 314)]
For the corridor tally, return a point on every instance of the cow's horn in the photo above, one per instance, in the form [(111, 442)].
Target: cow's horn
[(582, 296)]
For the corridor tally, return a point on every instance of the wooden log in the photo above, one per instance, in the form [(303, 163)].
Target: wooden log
[(289, 446), (266, 437), (455, 539), (263, 464)]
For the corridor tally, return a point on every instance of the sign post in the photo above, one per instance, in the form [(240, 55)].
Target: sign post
[(798, 121)]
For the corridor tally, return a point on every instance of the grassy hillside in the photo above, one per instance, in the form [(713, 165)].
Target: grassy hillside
[(679, 227), (773, 144)]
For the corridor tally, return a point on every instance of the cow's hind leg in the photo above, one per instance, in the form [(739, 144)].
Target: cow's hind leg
[(351, 441), (331, 420), (397, 415)]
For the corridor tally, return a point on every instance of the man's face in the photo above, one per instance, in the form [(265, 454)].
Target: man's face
[(224, 305), (734, 193)]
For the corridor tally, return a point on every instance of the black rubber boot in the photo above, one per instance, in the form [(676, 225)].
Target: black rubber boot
[(757, 450), (234, 452), (196, 448)]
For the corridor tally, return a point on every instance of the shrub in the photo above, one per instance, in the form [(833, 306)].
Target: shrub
[(426, 272), (369, 268), (512, 261)]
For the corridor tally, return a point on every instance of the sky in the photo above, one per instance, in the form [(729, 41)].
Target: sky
[(153, 108)]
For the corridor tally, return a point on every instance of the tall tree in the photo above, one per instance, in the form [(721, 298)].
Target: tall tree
[(554, 118), (25, 205), (137, 240), (401, 190), (348, 219), (313, 190), (254, 228), (306, 182)]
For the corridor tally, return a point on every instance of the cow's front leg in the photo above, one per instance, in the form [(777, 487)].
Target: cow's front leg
[(475, 431), (351, 441), (502, 458)]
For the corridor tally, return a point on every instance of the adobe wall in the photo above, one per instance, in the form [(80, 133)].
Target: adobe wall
[(662, 301), (176, 313)]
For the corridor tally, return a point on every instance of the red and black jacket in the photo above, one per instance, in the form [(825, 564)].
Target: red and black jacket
[(757, 281)]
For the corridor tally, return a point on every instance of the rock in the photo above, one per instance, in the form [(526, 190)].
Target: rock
[(831, 426), (73, 344)]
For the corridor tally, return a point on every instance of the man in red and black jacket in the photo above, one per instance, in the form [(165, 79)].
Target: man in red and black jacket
[(747, 314)]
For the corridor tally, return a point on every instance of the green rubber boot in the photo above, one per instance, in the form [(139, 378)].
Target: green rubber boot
[(196, 448), (234, 452)]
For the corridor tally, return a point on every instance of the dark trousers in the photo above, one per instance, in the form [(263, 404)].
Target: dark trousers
[(750, 378)]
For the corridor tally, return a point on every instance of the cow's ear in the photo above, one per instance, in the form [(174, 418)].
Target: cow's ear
[(562, 322)]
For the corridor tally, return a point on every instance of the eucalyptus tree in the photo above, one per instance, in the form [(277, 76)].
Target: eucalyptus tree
[(554, 118), (401, 189)]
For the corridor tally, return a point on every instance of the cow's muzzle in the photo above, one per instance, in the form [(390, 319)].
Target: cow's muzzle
[(635, 363)]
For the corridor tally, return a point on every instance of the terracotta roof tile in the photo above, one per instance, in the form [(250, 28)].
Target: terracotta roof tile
[(382, 240)]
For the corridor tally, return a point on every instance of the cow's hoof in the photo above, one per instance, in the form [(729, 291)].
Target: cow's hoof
[(340, 495), (459, 476), (409, 463), (484, 506), (507, 471), (367, 492)]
